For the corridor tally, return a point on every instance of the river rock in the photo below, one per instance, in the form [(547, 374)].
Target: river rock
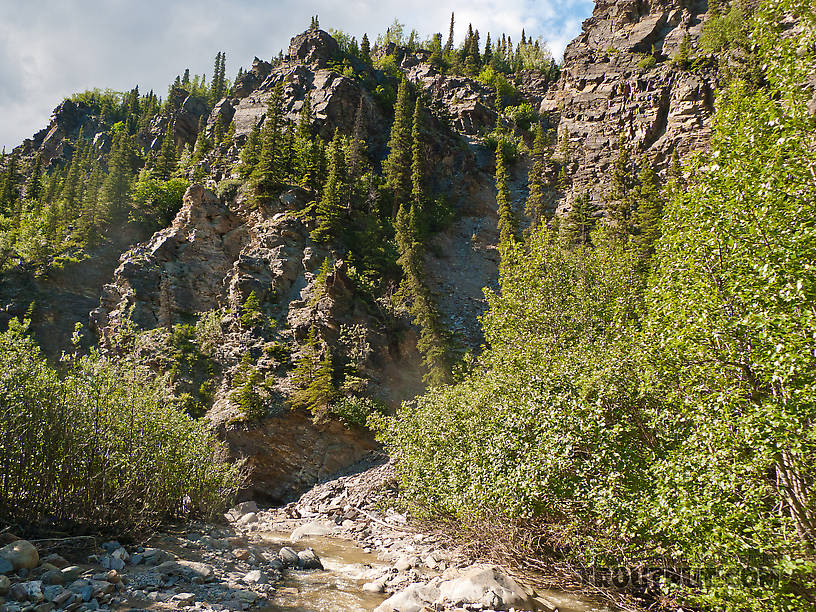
[(373, 587), (308, 559), (485, 584), (288, 556), (6, 566), (414, 598), (21, 554), (184, 599), (248, 519), (71, 573), (53, 577), (246, 596), (256, 577), (313, 528), (5, 584)]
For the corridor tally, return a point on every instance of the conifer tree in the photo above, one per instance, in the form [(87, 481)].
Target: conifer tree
[(267, 173), (487, 58), (365, 49), (10, 191), (34, 183), (356, 148), (620, 200), (449, 44), (398, 164), (167, 161), (329, 210), (312, 377), (579, 221), (649, 210), (536, 200), (508, 225), (115, 190)]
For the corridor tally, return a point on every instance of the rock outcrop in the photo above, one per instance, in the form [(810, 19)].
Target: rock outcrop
[(607, 90)]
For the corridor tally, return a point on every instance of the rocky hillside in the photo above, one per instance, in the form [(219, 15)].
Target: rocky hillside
[(223, 247)]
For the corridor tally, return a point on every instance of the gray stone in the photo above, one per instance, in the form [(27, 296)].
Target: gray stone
[(308, 559), (288, 556), (71, 573), (21, 554), (5, 584), (373, 587), (184, 599), (256, 577), (52, 577), (6, 567)]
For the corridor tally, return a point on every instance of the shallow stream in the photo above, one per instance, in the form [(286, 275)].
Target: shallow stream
[(339, 587)]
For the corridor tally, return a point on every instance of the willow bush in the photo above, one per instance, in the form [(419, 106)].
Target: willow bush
[(100, 445), (659, 416)]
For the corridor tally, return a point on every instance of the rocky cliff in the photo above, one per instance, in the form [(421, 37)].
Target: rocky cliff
[(609, 89), (219, 250)]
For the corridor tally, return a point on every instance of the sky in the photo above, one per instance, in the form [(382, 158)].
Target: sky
[(50, 49)]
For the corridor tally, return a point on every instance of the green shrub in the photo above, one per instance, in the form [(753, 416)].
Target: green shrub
[(228, 189), (101, 445), (355, 411), (647, 62), (511, 144), (523, 115)]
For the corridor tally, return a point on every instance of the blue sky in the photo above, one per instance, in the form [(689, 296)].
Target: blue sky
[(52, 48)]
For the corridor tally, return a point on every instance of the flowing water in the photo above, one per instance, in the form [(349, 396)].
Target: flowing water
[(339, 587)]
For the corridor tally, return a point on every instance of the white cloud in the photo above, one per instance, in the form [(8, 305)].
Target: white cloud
[(52, 48)]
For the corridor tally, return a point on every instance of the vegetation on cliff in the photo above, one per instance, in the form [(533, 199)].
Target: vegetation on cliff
[(657, 411)]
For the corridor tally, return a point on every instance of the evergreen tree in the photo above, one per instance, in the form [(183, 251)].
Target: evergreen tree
[(508, 225), (620, 199), (365, 49), (487, 58), (649, 210), (536, 200), (250, 152), (578, 222), (167, 161), (11, 191), (329, 210), (115, 190), (356, 148), (267, 174), (449, 44), (34, 183), (398, 163), (419, 221), (312, 377)]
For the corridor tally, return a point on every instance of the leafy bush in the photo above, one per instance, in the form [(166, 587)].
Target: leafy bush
[(355, 411), (647, 62), (228, 189), (660, 419), (506, 92), (523, 115), (156, 202), (511, 144), (101, 445), (721, 32)]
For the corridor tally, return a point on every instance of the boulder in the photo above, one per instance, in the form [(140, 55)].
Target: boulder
[(288, 556), (415, 597), (314, 47), (5, 584), (313, 528), (484, 584), (21, 554), (308, 559)]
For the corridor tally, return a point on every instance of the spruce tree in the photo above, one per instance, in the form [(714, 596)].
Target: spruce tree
[(267, 173), (365, 49), (536, 200), (449, 44), (11, 191), (115, 190), (329, 210), (508, 225), (487, 58), (398, 164), (357, 144), (649, 210), (34, 183), (578, 222), (167, 161), (418, 170), (620, 200), (313, 379)]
